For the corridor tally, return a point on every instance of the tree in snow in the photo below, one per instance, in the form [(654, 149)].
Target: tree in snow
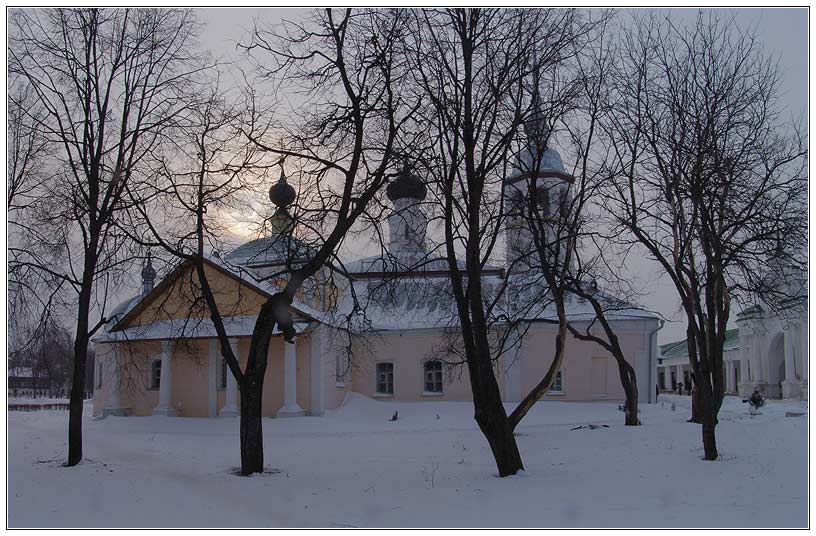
[(337, 149), (473, 67), (109, 83), (570, 246), (710, 180)]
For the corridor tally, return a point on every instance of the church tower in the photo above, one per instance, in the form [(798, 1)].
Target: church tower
[(408, 224), (538, 171)]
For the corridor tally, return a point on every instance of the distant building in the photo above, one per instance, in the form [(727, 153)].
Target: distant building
[(766, 352), (22, 383), (673, 363)]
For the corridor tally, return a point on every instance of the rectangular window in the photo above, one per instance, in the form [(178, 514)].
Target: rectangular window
[(155, 374), (558, 384), (433, 376), (222, 380), (339, 368), (385, 378)]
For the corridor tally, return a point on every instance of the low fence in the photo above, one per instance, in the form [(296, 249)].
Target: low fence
[(38, 407)]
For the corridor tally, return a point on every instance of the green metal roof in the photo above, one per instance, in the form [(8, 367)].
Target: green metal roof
[(680, 348)]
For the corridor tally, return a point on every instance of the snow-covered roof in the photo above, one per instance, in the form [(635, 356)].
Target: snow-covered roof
[(273, 250), (123, 309), (381, 295), (389, 264), (417, 302), (190, 328)]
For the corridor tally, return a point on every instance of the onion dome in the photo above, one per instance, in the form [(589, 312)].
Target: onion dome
[(406, 185), (549, 164), (281, 193)]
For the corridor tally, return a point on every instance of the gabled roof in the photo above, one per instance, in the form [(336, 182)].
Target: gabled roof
[(128, 310)]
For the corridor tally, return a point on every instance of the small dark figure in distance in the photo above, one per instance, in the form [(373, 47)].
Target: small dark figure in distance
[(680, 388), (657, 392), (755, 401), (394, 417)]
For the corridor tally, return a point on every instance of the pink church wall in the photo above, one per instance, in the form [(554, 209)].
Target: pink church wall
[(589, 372), (334, 391), (190, 385), (407, 350), (190, 392)]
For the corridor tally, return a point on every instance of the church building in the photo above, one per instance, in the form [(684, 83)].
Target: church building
[(159, 354)]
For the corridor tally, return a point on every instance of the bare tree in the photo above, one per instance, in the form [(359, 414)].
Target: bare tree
[(710, 180), (33, 294), (569, 245), (474, 66), (109, 83), (344, 65)]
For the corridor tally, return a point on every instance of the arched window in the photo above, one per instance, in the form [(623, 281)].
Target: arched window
[(433, 376)]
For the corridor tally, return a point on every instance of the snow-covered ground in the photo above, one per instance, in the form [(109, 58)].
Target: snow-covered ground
[(355, 468)]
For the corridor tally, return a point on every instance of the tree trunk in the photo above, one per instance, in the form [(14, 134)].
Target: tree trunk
[(493, 423), (696, 406), (251, 426), (629, 383), (631, 408), (710, 438), (77, 397)]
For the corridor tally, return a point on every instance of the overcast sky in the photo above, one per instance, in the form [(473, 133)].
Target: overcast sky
[(783, 30)]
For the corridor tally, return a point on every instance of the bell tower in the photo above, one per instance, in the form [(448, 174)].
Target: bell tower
[(538, 171), (408, 224)]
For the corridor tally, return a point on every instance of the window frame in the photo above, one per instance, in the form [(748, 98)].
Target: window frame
[(151, 374), (559, 378), (340, 364), (441, 380), (223, 370), (98, 373), (377, 391)]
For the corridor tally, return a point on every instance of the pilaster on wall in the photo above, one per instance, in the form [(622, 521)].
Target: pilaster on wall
[(115, 407), (319, 352)]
